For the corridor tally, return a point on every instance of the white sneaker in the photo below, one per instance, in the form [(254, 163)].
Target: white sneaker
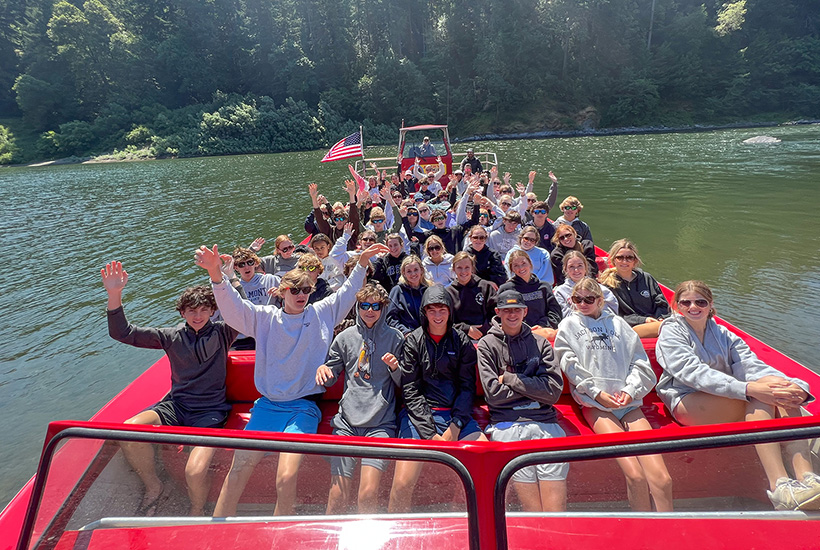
[(811, 480), (790, 494)]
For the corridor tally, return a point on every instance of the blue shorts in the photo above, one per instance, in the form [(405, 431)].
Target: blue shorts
[(300, 416), (623, 411), (441, 418)]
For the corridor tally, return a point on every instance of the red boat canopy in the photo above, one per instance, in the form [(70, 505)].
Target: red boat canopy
[(424, 127)]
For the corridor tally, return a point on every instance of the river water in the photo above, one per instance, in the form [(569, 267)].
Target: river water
[(704, 205)]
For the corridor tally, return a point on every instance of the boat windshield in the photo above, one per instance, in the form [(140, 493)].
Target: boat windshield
[(415, 144), (548, 493)]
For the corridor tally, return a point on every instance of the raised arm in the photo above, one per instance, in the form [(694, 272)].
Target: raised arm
[(553, 194)]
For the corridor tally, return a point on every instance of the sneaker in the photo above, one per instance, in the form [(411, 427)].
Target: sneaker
[(811, 480), (790, 494)]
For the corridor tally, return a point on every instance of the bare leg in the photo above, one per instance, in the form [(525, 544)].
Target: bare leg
[(404, 481), (141, 457), (553, 495), (637, 488), (339, 495), (198, 479), (286, 475), (475, 436), (529, 495), (798, 452), (369, 480), (653, 466), (647, 330), (241, 469)]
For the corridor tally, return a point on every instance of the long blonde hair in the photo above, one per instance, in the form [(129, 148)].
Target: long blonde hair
[(413, 259), (609, 276)]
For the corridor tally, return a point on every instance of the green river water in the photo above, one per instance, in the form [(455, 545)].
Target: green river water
[(704, 205)]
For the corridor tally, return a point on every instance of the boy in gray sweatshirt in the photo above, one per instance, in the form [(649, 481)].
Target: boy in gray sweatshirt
[(368, 405)]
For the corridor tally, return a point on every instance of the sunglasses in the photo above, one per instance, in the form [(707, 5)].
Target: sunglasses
[(310, 268), (368, 239), (539, 211), (416, 214), (586, 299), (380, 220), (478, 237), (569, 208), (419, 200), (433, 248), (286, 248), (700, 302), (339, 219), (365, 306), (303, 290), (240, 265), (506, 204), (565, 236), (530, 200), (484, 216), (529, 239), (424, 211), (625, 258)]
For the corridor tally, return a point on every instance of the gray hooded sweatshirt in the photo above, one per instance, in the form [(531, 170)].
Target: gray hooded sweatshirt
[(720, 365), (602, 354), (369, 398)]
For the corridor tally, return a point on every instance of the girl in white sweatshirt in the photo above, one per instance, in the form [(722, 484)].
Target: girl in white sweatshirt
[(607, 367)]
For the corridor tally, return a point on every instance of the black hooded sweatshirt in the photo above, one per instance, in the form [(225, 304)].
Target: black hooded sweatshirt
[(439, 375)]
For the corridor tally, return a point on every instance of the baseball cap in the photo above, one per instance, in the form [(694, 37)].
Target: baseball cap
[(509, 299)]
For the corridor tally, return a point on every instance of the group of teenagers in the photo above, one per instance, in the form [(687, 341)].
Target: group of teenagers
[(412, 315)]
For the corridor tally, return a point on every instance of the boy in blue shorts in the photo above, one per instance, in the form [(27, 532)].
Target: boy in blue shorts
[(198, 353), (368, 406), (438, 378), (291, 343)]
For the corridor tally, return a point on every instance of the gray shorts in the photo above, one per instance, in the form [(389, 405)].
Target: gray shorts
[(623, 411), (343, 466), (523, 431)]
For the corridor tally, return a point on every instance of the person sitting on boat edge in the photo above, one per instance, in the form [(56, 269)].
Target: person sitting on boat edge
[(290, 344), (522, 382), (543, 312), (576, 267), (571, 208), (438, 379), (368, 405), (197, 351), (609, 374), (640, 299), (473, 161), (711, 376)]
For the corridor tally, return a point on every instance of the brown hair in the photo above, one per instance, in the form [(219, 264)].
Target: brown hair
[(530, 229), (516, 254), (240, 254), (478, 227), (320, 238), (698, 287), (295, 278), (309, 259), (373, 289), (566, 227), (279, 240), (195, 297), (608, 277), (464, 255)]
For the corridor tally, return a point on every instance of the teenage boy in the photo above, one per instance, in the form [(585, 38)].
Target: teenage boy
[(290, 345), (256, 286), (503, 239), (198, 352), (438, 384), (368, 405), (522, 382)]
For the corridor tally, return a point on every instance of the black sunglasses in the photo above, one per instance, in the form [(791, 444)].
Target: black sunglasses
[(585, 299), (303, 290), (249, 263), (700, 302)]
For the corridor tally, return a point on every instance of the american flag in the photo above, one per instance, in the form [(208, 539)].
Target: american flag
[(351, 146)]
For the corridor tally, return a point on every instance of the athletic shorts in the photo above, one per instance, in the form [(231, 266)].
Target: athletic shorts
[(524, 431), (173, 413), (344, 465), (441, 418), (299, 416)]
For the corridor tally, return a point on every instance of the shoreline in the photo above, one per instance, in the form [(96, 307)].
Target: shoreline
[(541, 134)]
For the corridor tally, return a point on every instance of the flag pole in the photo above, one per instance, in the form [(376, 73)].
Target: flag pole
[(364, 162)]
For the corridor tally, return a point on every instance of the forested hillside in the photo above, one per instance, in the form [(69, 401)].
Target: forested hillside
[(197, 77)]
